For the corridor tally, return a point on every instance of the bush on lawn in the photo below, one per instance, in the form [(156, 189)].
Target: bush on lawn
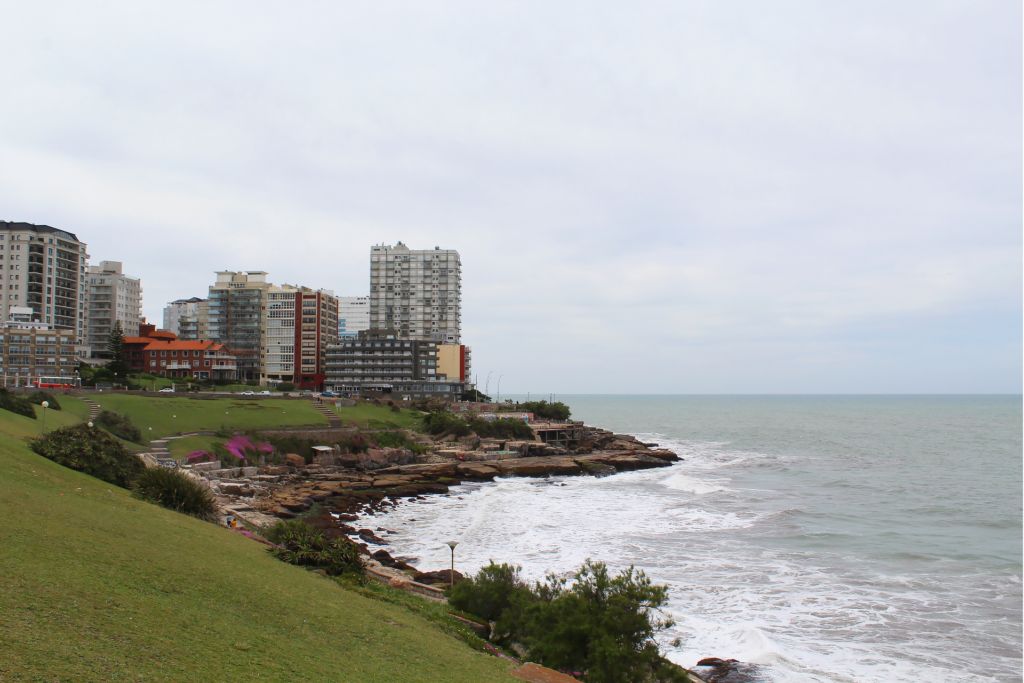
[(308, 547), (40, 396), (601, 628), (285, 386), (175, 490), (16, 404), (92, 451), (119, 425)]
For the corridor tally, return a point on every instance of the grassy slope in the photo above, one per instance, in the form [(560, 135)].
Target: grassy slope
[(361, 413), (208, 414), (95, 585)]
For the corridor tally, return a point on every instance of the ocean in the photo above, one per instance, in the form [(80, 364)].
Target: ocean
[(826, 538)]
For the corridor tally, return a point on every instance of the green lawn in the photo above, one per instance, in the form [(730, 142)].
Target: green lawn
[(180, 448), (74, 406), (363, 413), (99, 586), (176, 414)]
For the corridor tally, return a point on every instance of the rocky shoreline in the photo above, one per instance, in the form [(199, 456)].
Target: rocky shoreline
[(351, 487)]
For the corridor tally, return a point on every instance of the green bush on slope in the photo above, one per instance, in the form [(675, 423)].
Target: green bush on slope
[(119, 425), (40, 396), (92, 451), (16, 404), (600, 627), (176, 491)]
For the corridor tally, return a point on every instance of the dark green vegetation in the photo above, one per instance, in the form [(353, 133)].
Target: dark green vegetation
[(119, 425), (92, 451), (175, 490), (101, 586), (476, 396), (38, 397), (16, 404), (444, 422), (306, 546), (600, 627), (118, 364), (551, 411)]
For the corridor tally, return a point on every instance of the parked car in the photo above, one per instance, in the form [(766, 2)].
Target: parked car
[(247, 393), (264, 393), (167, 390), (329, 394)]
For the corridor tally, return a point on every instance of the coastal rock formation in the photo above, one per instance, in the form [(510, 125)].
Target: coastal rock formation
[(715, 670)]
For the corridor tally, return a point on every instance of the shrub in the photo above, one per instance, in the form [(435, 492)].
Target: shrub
[(395, 408), (602, 626), (309, 547), (443, 422), (175, 490), (252, 383), (285, 386), (91, 451), (396, 440), (119, 425), (16, 404), (40, 396), (280, 529), (552, 411), (501, 429), (491, 593)]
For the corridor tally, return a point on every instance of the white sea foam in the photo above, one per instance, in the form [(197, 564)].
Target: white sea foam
[(767, 561)]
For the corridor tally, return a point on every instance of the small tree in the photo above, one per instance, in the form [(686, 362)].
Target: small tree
[(118, 353)]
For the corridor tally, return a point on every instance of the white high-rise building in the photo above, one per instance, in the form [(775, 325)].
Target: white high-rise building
[(176, 310), (353, 315), (416, 292), (112, 296)]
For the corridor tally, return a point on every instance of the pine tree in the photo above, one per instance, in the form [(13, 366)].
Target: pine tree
[(118, 354)]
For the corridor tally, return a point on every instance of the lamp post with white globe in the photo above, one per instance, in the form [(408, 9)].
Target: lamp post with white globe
[(45, 404)]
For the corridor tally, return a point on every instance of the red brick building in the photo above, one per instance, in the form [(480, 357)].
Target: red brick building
[(189, 359)]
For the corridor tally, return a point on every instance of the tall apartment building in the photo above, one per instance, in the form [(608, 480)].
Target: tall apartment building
[(196, 325), (237, 312), (278, 334), (176, 310), (300, 324), (112, 296), (353, 316), (54, 282), (416, 294)]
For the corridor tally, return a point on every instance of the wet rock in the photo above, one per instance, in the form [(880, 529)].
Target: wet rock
[(538, 467), (715, 670), (477, 471), (371, 537), (444, 576)]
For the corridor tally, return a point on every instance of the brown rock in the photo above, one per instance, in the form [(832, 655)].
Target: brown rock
[(295, 460), (538, 467), (477, 471), (281, 512)]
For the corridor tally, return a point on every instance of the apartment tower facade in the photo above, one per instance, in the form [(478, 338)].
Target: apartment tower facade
[(416, 293), (112, 296), (44, 269)]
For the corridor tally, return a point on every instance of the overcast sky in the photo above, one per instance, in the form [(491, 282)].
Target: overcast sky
[(653, 197)]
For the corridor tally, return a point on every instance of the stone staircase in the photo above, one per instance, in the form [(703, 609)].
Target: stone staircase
[(94, 409), (332, 417)]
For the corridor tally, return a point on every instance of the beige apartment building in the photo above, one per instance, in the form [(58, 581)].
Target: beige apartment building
[(278, 333), (112, 296), (43, 268)]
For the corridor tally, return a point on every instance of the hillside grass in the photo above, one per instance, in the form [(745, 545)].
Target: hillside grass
[(97, 585), (180, 448), (169, 415), (365, 413)]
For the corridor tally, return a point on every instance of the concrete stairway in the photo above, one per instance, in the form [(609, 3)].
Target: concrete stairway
[(94, 409), (332, 417)]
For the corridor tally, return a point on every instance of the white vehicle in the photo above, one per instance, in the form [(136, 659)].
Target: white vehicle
[(167, 390), (264, 393), (247, 393)]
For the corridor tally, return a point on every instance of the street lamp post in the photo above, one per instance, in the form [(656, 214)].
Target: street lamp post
[(487, 384), (452, 544), (45, 404), (499, 387)]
